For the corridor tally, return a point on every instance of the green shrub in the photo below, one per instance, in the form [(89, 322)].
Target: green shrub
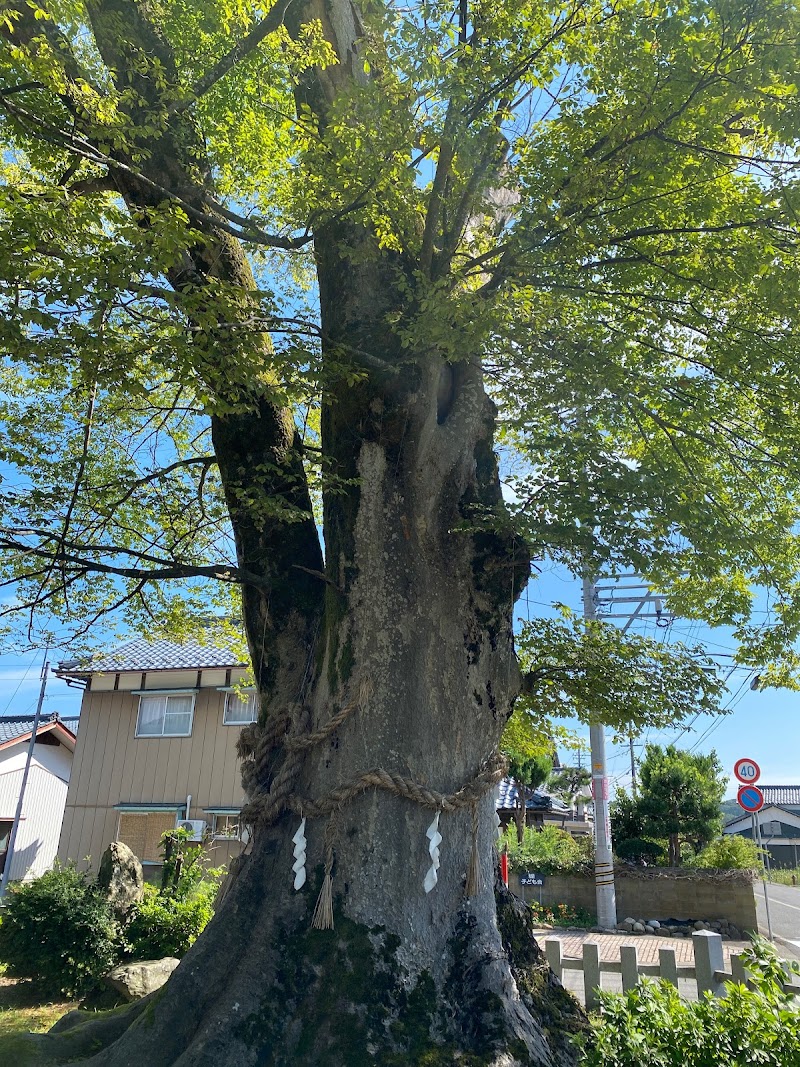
[(164, 924), (561, 915), (730, 852), (653, 1025), (60, 931), (639, 848), (550, 850), (784, 875)]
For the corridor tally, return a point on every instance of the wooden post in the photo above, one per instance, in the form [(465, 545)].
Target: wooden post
[(630, 967), (591, 974), (552, 948), (708, 958), (668, 965)]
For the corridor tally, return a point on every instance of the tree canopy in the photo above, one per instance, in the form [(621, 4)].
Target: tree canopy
[(600, 199)]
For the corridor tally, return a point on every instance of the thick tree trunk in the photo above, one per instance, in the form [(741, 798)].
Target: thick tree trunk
[(416, 642), (405, 977)]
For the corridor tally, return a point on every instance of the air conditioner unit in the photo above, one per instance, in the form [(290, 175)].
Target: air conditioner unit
[(196, 827)]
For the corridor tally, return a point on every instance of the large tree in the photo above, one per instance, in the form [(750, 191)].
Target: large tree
[(681, 794), (268, 269)]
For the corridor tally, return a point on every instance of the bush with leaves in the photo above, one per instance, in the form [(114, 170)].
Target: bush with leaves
[(653, 1025), (165, 925), (59, 930), (561, 915), (550, 850), (168, 921), (730, 852), (640, 850)]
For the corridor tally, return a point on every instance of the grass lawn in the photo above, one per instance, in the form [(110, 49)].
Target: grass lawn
[(22, 1008)]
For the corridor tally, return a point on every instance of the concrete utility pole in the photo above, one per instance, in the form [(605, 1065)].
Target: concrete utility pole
[(644, 598), (603, 858), (12, 840), (633, 766)]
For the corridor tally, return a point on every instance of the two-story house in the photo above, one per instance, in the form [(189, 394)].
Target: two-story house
[(156, 748)]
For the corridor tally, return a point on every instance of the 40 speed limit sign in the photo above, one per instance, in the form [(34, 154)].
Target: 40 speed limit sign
[(747, 771)]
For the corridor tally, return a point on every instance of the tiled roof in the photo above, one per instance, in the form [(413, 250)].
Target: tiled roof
[(539, 800), (14, 726), (780, 794), (141, 655)]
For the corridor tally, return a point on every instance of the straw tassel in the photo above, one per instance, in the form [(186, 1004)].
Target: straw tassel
[(473, 886), (322, 919)]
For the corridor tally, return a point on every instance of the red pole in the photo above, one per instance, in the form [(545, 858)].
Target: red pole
[(504, 867)]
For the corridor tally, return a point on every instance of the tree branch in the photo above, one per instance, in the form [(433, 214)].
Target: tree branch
[(223, 572), (240, 50)]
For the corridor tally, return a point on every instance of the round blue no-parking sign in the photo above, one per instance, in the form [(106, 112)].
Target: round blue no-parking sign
[(750, 798)]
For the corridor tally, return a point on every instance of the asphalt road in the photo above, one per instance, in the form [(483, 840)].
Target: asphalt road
[(784, 910)]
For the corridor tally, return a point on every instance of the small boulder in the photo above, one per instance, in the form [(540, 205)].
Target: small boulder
[(121, 878), (654, 924), (135, 980), (699, 925), (638, 928)]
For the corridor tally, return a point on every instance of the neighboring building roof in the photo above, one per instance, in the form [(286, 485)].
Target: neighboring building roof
[(538, 800), (16, 727), (781, 794), (161, 655)]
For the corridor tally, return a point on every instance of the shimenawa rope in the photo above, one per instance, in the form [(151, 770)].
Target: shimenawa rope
[(256, 748)]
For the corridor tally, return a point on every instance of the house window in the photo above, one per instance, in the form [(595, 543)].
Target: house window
[(240, 708), (141, 832), (165, 715), (226, 827)]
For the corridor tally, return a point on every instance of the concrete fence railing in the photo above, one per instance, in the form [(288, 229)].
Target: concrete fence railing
[(708, 969)]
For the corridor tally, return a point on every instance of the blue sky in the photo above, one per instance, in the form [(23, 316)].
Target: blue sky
[(763, 725)]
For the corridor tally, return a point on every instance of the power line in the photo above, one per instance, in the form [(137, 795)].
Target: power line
[(737, 697), (19, 686)]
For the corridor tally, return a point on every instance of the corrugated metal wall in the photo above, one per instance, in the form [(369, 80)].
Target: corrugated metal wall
[(113, 766), (42, 813)]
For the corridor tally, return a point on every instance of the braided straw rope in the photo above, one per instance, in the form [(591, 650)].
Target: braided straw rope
[(490, 773), (266, 807), (256, 748)]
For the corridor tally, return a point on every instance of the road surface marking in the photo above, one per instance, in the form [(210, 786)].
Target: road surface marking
[(774, 900)]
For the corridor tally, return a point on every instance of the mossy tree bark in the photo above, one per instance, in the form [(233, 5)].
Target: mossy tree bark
[(411, 609)]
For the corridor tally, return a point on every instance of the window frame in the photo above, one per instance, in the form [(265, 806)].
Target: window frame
[(165, 695), (251, 695), (216, 835)]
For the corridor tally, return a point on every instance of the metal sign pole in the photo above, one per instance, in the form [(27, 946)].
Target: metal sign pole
[(757, 823)]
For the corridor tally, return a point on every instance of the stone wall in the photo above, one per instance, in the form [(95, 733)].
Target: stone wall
[(657, 893)]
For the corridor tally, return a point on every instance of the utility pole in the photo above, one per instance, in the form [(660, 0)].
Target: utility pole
[(12, 840), (603, 858), (633, 766), (643, 597)]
